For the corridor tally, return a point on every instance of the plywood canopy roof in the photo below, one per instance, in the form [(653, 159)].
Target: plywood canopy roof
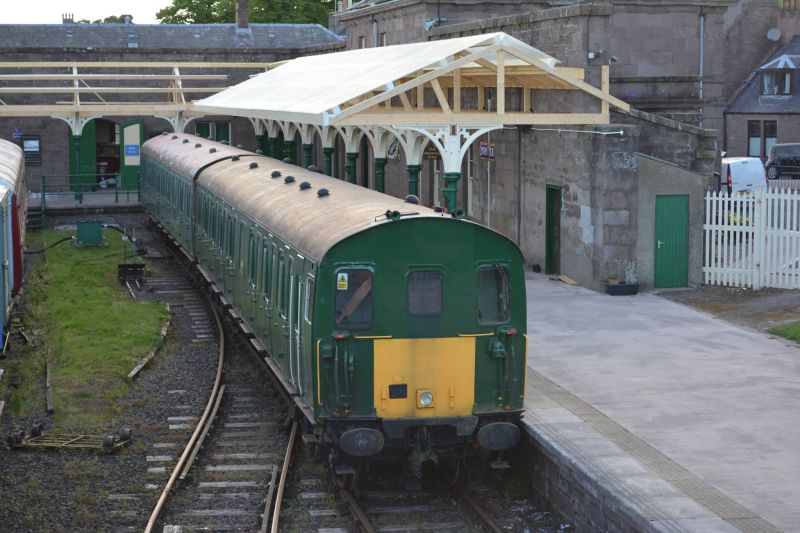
[(388, 85)]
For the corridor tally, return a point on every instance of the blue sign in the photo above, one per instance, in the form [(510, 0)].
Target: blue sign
[(131, 149), (17, 133)]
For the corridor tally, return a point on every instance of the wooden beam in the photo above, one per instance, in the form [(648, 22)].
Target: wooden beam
[(425, 78), (526, 99), (457, 90), (406, 104), (95, 89), (471, 118), (420, 94), (481, 97), (66, 77), (501, 82), (605, 87), (132, 64), (443, 103)]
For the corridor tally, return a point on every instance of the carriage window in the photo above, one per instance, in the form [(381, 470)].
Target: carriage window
[(354, 298), (425, 293), (494, 295)]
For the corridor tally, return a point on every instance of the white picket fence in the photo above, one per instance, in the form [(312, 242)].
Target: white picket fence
[(754, 240)]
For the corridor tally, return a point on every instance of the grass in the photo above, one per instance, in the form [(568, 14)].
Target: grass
[(88, 326), (791, 331)]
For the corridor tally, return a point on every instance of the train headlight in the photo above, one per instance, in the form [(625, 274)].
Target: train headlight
[(424, 398)]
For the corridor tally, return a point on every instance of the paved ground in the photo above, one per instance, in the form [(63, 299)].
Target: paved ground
[(714, 398)]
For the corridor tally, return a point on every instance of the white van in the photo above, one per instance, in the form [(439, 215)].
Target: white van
[(742, 175)]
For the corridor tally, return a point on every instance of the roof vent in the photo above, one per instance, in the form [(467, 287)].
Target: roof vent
[(185, 141), (212, 150), (235, 158), (198, 145), (322, 192), (305, 185), (312, 168), (253, 165), (260, 151), (275, 174), (240, 147), (288, 179), (163, 133), (412, 199), (287, 160), (174, 136)]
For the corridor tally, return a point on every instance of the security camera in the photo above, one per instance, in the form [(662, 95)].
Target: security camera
[(612, 60), (430, 23)]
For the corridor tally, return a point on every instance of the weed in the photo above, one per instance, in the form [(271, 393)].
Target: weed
[(790, 331)]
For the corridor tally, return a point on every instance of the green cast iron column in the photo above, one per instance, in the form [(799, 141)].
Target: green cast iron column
[(261, 143), (380, 172), (350, 168), (327, 153), (76, 151), (413, 178), (272, 146), (288, 151), (451, 189), (307, 155)]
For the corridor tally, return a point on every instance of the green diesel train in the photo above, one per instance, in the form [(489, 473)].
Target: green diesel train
[(398, 330)]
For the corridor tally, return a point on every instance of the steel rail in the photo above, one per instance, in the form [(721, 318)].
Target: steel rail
[(490, 524), (355, 507), (276, 514), (194, 440)]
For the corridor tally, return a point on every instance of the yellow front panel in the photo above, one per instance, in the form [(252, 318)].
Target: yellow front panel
[(445, 367)]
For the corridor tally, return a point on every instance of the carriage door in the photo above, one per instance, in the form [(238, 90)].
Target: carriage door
[(295, 335), (131, 142), (266, 299)]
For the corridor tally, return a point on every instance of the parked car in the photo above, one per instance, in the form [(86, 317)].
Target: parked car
[(783, 161), (742, 174)]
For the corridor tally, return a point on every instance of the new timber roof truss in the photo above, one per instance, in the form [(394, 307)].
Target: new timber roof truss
[(455, 82), (78, 92)]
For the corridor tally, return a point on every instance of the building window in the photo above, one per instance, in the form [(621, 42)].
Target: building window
[(776, 82), (382, 39), (216, 131), (32, 148), (362, 41), (761, 135)]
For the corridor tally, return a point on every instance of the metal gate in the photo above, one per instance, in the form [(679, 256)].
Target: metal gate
[(754, 240)]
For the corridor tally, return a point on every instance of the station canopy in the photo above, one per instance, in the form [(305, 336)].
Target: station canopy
[(415, 84)]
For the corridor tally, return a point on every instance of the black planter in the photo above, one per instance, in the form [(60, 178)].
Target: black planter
[(622, 289)]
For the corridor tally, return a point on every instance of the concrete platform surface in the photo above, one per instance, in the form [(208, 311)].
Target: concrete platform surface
[(688, 419)]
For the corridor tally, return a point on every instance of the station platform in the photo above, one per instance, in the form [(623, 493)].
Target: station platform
[(108, 198), (651, 416)]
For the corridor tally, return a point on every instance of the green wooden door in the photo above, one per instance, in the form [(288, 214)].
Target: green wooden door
[(129, 157), (672, 241), (552, 261)]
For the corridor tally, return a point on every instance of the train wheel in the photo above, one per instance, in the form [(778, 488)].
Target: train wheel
[(36, 430), (108, 441), (125, 433)]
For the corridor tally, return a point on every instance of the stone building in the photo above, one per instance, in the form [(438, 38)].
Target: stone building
[(767, 108), (95, 147)]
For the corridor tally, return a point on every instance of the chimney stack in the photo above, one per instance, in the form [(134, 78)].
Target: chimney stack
[(242, 15), (67, 18)]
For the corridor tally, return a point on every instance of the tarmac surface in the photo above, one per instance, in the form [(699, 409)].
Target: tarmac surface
[(693, 420)]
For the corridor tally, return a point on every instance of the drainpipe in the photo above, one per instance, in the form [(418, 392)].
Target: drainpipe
[(702, 60)]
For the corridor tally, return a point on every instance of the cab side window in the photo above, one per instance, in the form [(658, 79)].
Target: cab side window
[(425, 293), (494, 294), (353, 298)]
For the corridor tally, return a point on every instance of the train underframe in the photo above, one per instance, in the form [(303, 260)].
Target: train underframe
[(352, 444)]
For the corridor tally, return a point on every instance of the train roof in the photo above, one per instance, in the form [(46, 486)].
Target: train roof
[(311, 223), (12, 165)]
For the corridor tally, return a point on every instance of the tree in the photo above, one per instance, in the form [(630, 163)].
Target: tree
[(270, 11), (113, 19)]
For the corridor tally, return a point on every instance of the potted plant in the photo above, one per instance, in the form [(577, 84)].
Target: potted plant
[(628, 285)]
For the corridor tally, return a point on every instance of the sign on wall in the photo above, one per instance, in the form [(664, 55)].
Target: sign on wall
[(487, 151), (17, 135), (430, 152)]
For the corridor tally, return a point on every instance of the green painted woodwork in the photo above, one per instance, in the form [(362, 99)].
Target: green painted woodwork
[(380, 172), (327, 154), (130, 173), (222, 132), (552, 230), (202, 129), (307, 155), (413, 178), (272, 147), (672, 241), (83, 158), (289, 151), (450, 190), (350, 167), (261, 144)]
